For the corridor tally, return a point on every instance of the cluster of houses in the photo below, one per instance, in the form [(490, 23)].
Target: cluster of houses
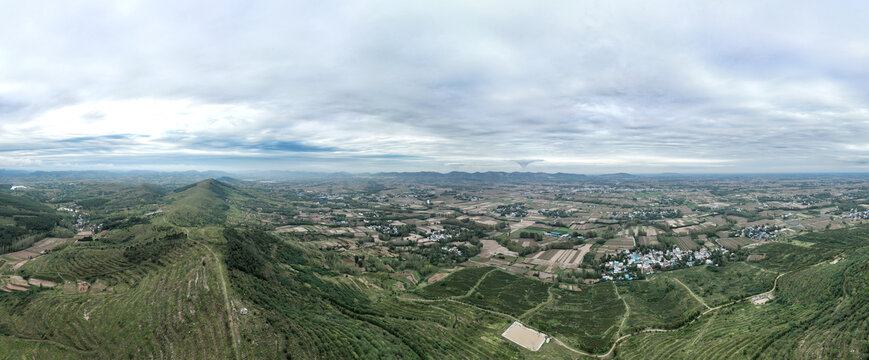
[(857, 215), (760, 232), (512, 210), (438, 236), (466, 197), (630, 263), (384, 229), (452, 249), (653, 214)]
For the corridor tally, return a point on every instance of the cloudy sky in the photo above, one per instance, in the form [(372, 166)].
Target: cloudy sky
[(573, 86)]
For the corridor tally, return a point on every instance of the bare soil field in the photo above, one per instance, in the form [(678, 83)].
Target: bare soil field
[(756, 257), (520, 225), (565, 258), (648, 240), (41, 283), (525, 337), (685, 243), (620, 243), (492, 247), (734, 243)]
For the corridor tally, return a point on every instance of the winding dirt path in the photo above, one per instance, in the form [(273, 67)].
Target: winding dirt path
[(624, 319), (692, 293)]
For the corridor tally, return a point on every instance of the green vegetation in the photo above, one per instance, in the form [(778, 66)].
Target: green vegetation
[(455, 284), (211, 277), (658, 303), (587, 319), (507, 293), (723, 284)]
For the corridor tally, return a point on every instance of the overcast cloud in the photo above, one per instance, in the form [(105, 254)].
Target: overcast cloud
[(576, 86)]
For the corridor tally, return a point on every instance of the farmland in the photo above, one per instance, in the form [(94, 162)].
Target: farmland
[(509, 294), (217, 257), (658, 303), (586, 319), (719, 285)]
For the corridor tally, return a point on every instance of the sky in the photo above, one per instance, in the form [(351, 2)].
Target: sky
[(368, 86)]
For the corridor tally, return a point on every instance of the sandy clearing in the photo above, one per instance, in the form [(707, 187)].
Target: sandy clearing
[(520, 225), (19, 265), (41, 283), (525, 337), (437, 277), (16, 287), (492, 247), (582, 251)]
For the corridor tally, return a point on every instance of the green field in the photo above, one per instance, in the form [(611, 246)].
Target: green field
[(507, 293), (587, 319), (456, 284), (657, 303), (723, 284)]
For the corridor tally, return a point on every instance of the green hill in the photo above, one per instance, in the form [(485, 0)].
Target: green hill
[(204, 203), (24, 221)]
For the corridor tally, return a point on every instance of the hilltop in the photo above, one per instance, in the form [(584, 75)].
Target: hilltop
[(204, 203)]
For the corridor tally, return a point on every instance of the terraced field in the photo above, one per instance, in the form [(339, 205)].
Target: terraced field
[(657, 303), (181, 297), (587, 319), (737, 333), (720, 285), (456, 284), (507, 293)]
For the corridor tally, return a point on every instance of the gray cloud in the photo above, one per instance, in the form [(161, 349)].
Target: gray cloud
[(591, 86)]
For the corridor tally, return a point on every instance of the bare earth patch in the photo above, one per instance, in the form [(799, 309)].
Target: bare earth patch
[(525, 337), (437, 277), (492, 247)]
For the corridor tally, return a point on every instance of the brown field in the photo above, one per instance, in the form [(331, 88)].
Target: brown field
[(437, 277), (492, 247), (648, 240), (734, 243), (520, 225), (620, 243), (755, 257), (685, 243), (41, 283), (566, 258)]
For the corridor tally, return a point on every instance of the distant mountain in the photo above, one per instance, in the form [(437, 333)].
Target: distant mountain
[(128, 177), (489, 177)]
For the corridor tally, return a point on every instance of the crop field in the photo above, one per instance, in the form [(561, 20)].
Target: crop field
[(507, 293), (620, 243), (735, 333), (685, 243), (456, 284), (719, 285), (586, 319), (735, 243), (647, 241), (181, 296), (541, 230), (658, 303)]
